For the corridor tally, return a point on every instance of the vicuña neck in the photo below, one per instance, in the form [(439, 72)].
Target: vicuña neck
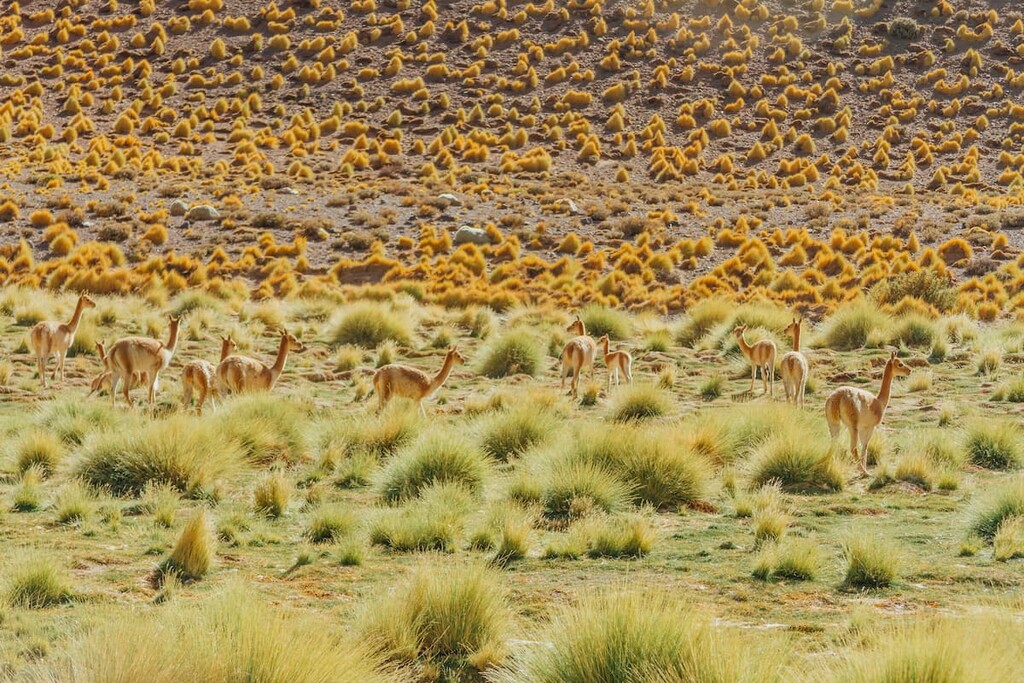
[(225, 350), (882, 400), (796, 339), (744, 346), (282, 357), (442, 375), (172, 338), (77, 316)]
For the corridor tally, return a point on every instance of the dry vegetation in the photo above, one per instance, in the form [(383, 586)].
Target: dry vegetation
[(385, 179)]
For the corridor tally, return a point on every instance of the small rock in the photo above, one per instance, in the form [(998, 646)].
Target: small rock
[(179, 207), (573, 209), (289, 190), (455, 201), (203, 212), (467, 235)]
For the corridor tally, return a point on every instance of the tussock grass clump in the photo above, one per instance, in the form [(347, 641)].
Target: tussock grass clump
[(917, 470), (798, 559), (570, 489), (161, 501), (510, 433), (637, 636), (791, 459), (377, 436), (972, 649), (272, 494), (514, 531), (1008, 543), (1012, 391), (1004, 501), (870, 563), (989, 361), (192, 556), (232, 636), (37, 583), (770, 523), (942, 448), (177, 451), (853, 325), (601, 320), (330, 524), (712, 387), (41, 450), (438, 457), (703, 318), (433, 521), (267, 427), (74, 503), (516, 352), (995, 444), (620, 536), (29, 494), (71, 420), (368, 324), (637, 402), (447, 612)]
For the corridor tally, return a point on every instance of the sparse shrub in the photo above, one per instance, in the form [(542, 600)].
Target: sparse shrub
[(510, 433), (161, 501), (376, 436), (71, 420), (870, 563), (441, 613), (368, 324), (770, 524), (989, 361), (41, 450), (798, 559), (570, 490), (192, 556), (637, 636), (37, 583), (1003, 501), (517, 352), (917, 470), (637, 402), (268, 429), (513, 528), (926, 285), (437, 457), (995, 444), (913, 330), (919, 381), (667, 377), (601, 320), (347, 358), (330, 524), (903, 28), (272, 494), (704, 317)]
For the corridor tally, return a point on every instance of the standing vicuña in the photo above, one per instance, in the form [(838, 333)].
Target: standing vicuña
[(105, 380), (142, 358), (241, 374), (199, 376), (578, 353), (617, 362), (761, 355), (793, 367), (51, 338), (860, 411), (406, 381)]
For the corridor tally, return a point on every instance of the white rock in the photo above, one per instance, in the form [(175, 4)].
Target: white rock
[(179, 207), (451, 198), (289, 190), (468, 235), (203, 212)]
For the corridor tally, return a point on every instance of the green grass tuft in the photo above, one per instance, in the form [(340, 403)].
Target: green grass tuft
[(192, 556), (37, 583), (517, 352), (368, 324), (637, 402), (437, 457), (870, 563)]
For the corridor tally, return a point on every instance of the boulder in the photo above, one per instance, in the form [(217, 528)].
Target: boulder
[(203, 212), (179, 207), (452, 199), (468, 235)]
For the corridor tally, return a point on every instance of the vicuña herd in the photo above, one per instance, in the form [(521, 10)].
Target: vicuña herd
[(138, 361)]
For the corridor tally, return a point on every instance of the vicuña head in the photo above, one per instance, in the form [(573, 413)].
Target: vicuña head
[(577, 327), (899, 368), (740, 329), (227, 347), (794, 327), (294, 345), (456, 355)]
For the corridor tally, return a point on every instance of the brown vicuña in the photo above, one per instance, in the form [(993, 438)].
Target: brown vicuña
[(241, 374), (105, 380), (861, 411), (141, 357), (49, 338), (793, 367), (199, 377), (406, 381), (578, 353), (617, 362), (761, 355)]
